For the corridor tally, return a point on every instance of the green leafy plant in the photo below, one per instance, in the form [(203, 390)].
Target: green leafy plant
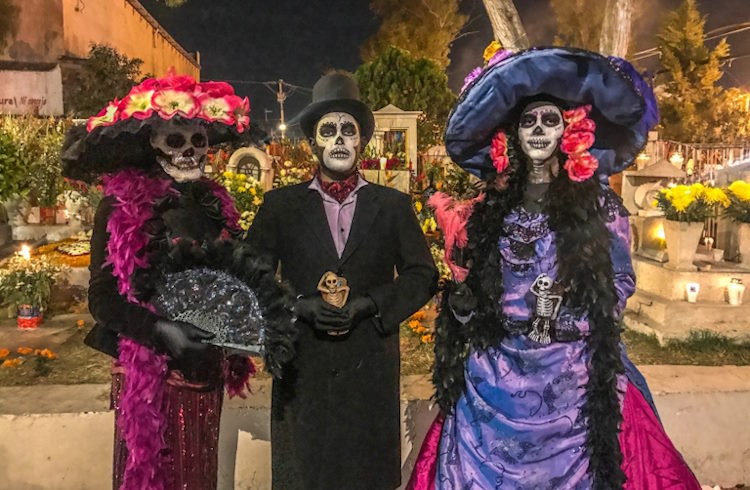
[(27, 281), (38, 142), (104, 75), (411, 83), (12, 169)]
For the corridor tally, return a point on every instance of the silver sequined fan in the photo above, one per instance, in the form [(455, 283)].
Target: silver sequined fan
[(214, 301)]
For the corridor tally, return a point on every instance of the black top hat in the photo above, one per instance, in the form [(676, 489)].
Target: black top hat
[(337, 92)]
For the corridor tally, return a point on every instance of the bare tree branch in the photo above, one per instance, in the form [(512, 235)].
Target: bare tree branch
[(506, 24)]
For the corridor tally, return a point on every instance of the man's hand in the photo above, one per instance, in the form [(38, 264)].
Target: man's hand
[(462, 301), (327, 318), (181, 339), (348, 317)]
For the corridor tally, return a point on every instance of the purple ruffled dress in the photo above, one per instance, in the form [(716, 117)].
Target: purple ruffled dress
[(519, 423)]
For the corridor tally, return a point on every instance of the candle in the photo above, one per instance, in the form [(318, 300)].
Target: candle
[(26, 252), (735, 290), (692, 289), (383, 161)]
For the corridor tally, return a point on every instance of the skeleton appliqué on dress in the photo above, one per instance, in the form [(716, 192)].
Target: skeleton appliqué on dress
[(547, 308)]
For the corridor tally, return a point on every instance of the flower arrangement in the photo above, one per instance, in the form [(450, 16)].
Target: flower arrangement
[(291, 174), (691, 203), (738, 209), (425, 216), (416, 325), (177, 95), (247, 193), (438, 255), (83, 198), (28, 281), (41, 356)]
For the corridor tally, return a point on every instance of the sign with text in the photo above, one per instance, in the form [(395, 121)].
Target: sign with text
[(31, 92)]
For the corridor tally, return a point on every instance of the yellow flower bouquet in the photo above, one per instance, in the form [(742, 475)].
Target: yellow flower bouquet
[(691, 203), (247, 193), (739, 201)]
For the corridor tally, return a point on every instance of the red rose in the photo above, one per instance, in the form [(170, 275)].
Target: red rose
[(583, 126), (577, 114), (581, 167), (499, 152), (574, 143)]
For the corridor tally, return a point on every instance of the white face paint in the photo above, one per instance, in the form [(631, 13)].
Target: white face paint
[(539, 130), (181, 148), (337, 136)]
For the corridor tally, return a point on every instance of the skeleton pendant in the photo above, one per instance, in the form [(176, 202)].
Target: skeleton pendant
[(335, 292), (547, 308)]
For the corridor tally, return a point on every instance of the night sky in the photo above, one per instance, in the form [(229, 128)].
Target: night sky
[(297, 40)]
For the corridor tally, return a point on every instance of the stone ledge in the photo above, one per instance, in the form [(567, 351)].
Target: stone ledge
[(84, 398)]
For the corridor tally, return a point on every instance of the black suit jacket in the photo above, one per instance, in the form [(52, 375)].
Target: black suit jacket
[(335, 415)]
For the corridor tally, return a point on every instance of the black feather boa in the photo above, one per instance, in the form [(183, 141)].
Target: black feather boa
[(577, 216), (239, 260)]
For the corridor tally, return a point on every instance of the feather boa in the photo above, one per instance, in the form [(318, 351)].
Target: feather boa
[(142, 421), (452, 216)]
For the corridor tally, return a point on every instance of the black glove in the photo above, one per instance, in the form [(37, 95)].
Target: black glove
[(348, 317), (180, 339), (461, 300)]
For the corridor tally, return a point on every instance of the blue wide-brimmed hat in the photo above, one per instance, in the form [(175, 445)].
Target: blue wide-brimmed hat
[(624, 107)]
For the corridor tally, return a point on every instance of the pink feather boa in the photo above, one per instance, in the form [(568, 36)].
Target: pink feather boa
[(452, 216), (142, 421)]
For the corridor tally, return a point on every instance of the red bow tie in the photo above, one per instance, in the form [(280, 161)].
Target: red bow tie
[(339, 189)]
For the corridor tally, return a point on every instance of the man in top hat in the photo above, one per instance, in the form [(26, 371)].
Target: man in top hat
[(339, 240)]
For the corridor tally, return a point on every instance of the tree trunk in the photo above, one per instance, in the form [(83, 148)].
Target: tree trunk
[(615, 35), (506, 24)]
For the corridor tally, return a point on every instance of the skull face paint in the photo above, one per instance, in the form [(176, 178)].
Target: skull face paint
[(337, 141), (181, 148), (540, 129)]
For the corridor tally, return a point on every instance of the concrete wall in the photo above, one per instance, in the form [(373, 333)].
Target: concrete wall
[(40, 32), (51, 29), (124, 25)]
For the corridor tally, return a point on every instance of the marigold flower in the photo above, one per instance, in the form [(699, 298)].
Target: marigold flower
[(4, 353), (24, 351), (740, 189), (490, 50)]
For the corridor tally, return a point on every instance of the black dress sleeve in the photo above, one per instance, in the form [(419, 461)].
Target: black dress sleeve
[(109, 308)]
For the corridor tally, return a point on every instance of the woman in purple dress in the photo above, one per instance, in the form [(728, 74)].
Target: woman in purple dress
[(535, 388)]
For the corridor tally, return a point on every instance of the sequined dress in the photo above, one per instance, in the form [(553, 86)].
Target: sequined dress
[(519, 423)]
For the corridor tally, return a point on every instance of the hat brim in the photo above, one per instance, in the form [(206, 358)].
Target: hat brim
[(358, 109), (106, 149), (624, 107)]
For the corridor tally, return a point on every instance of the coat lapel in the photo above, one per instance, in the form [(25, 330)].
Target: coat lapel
[(315, 215), (364, 216)]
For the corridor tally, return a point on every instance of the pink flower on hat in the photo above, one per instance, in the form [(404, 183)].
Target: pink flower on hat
[(106, 117)]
